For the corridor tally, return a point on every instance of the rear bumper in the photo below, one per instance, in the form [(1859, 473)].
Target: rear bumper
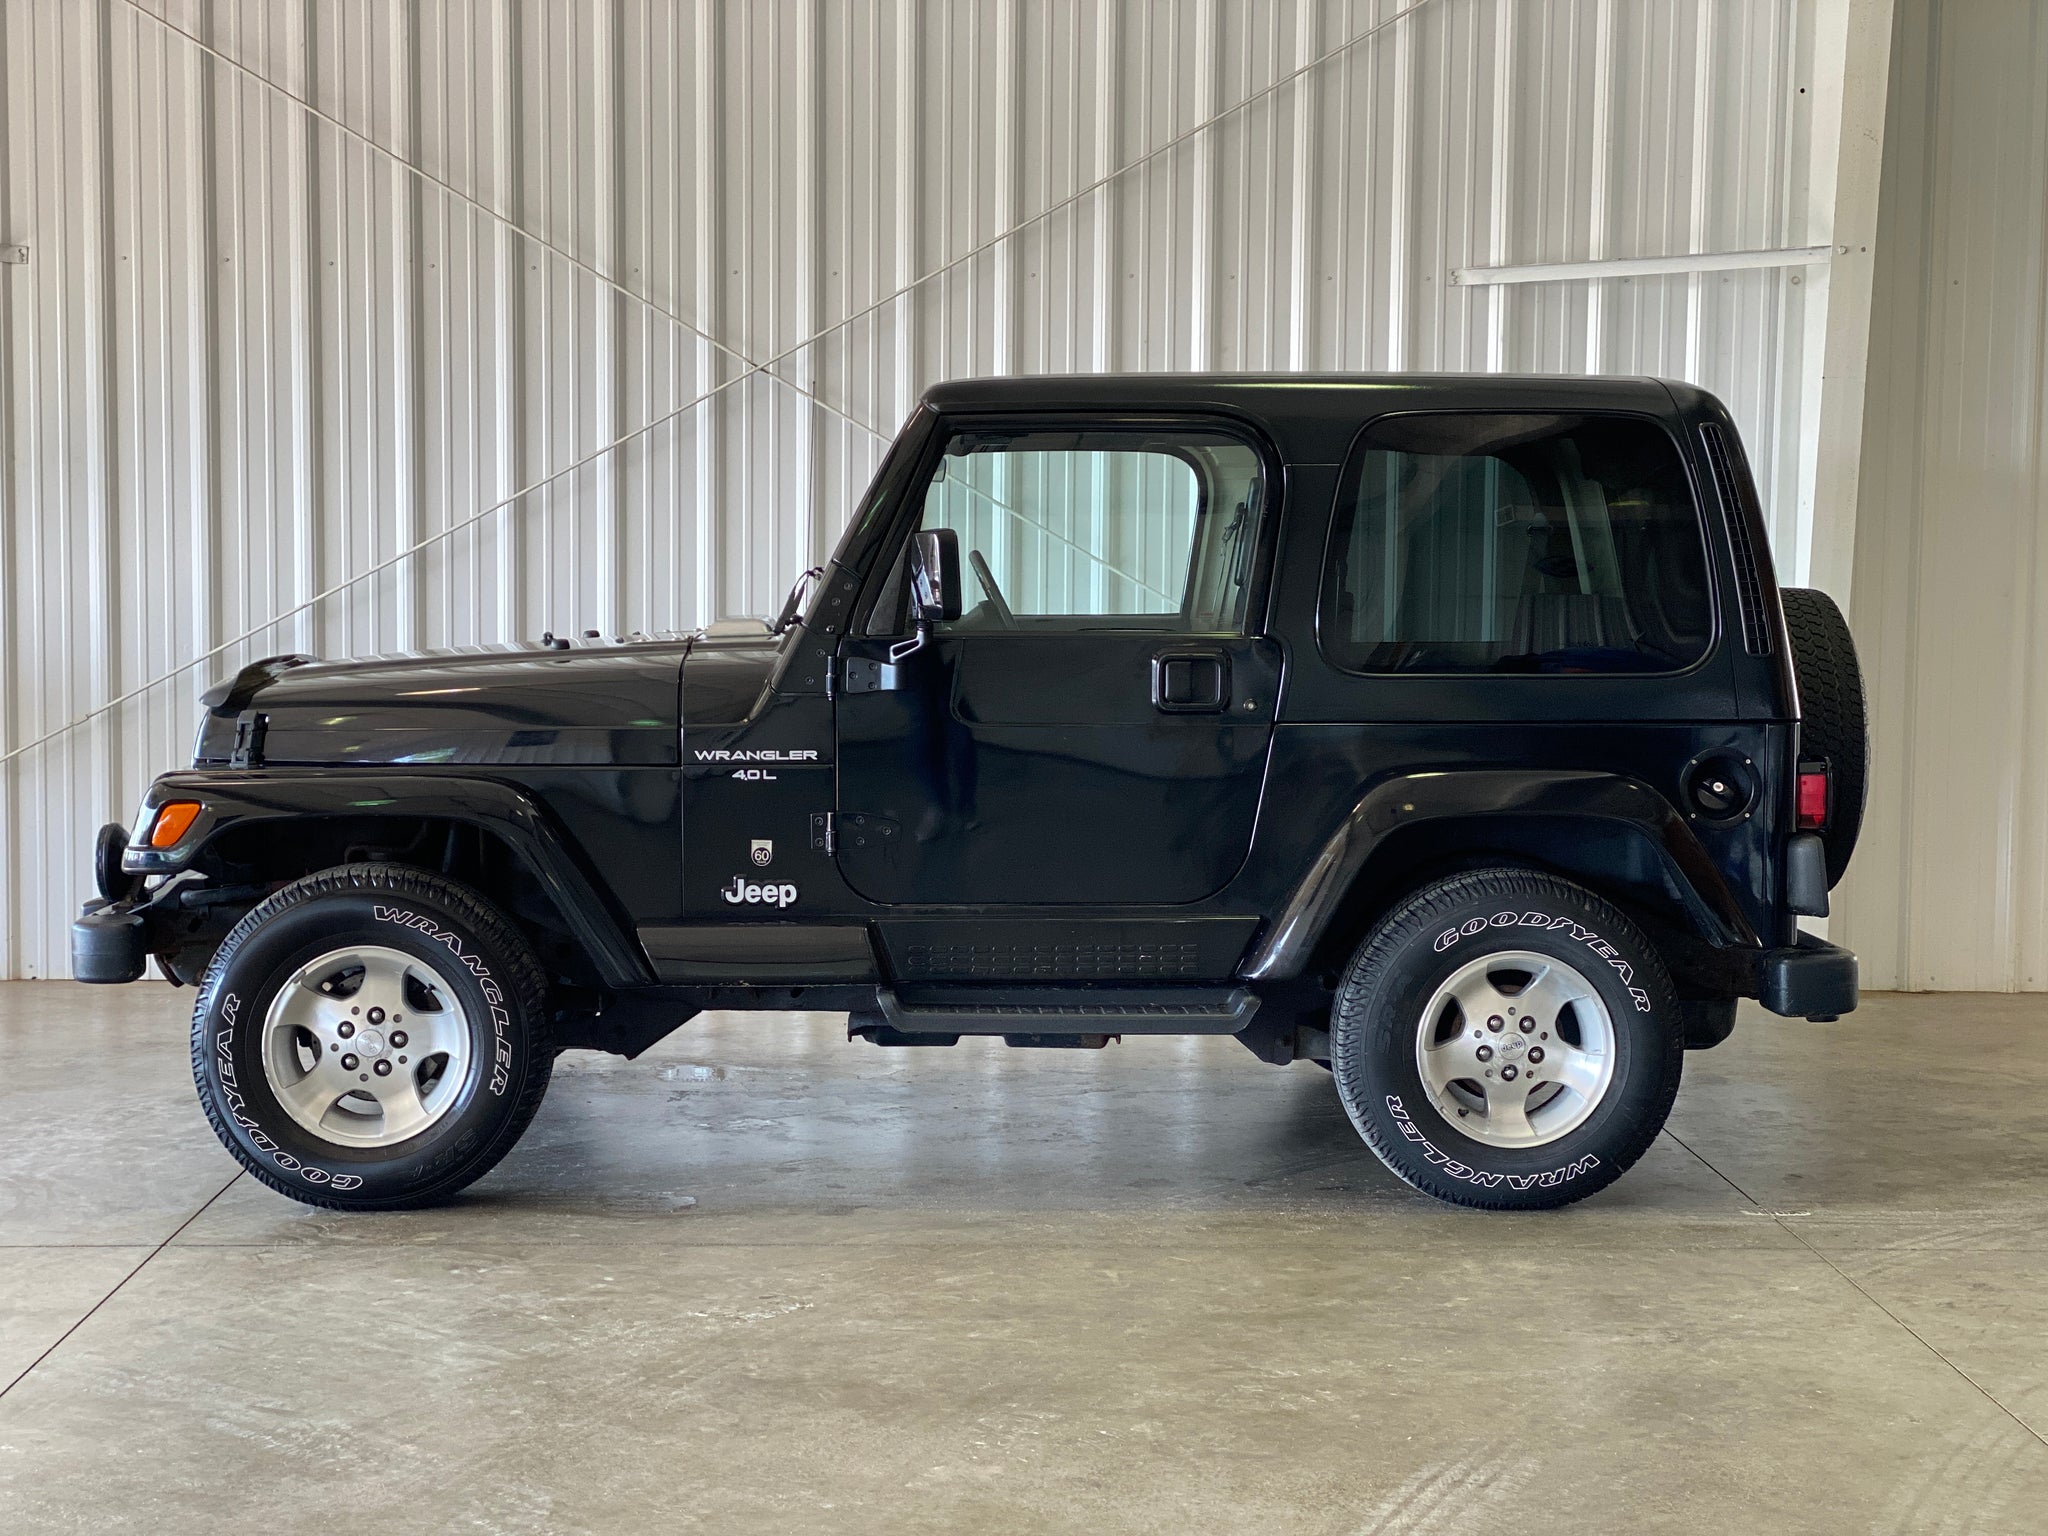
[(1812, 979)]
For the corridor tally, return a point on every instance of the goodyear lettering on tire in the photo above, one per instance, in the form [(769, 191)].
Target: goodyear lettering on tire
[(1549, 923)]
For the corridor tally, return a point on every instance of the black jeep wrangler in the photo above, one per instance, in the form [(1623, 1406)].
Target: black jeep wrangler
[(1450, 732)]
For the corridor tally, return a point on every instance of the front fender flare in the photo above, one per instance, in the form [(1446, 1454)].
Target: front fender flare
[(1415, 798), (234, 799)]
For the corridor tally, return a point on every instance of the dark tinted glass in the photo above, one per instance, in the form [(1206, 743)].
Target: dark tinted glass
[(1515, 543)]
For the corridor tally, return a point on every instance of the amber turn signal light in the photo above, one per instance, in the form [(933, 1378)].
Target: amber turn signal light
[(173, 821)]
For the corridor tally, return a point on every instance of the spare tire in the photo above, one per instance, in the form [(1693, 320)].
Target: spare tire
[(1832, 724)]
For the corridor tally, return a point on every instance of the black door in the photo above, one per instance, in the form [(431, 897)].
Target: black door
[(1094, 727)]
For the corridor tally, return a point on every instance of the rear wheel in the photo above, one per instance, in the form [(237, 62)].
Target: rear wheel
[(1507, 1039), (371, 1037)]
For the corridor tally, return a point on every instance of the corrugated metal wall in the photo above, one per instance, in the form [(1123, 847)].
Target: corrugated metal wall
[(1950, 596), (264, 388)]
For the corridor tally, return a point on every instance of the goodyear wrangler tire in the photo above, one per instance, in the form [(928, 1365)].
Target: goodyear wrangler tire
[(372, 1037), (1507, 1040)]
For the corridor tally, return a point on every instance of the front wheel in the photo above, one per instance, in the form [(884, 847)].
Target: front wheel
[(1507, 1039), (371, 1037)]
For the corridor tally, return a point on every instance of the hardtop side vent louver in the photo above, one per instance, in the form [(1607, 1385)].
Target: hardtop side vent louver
[(1749, 589)]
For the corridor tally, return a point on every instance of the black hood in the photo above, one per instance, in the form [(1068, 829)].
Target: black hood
[(727, 676), (590, 704)]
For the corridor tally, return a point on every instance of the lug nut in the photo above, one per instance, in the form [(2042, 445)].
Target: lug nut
[(1527, 1026), (376, 1015), (1508, 1073), (1484, 1053), (345, 1029), (382, 1069), (398, 1038), (1535, 1054), (1494, 1024), (349, 1063)]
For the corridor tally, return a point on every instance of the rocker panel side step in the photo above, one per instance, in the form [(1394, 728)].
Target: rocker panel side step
[(1179, 1012)]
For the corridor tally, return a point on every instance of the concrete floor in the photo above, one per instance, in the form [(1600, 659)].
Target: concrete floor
[(765, 1280)]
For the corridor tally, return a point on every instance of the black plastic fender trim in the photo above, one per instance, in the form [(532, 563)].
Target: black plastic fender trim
[(1418, 797), (231, 799)]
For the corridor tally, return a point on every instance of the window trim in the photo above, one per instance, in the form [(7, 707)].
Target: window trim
[(890, 543), (1344, 494)]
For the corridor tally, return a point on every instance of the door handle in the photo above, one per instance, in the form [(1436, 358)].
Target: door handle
[(1190, 682)]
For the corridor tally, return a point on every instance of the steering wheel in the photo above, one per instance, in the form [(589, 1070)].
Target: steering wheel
[(987, 579)]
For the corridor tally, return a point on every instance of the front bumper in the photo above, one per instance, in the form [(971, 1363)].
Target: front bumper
[(112, 938), (1812, 979), (110, 941)]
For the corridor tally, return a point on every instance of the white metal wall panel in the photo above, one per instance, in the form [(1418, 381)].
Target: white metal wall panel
[(1950, 885), (255, 361)]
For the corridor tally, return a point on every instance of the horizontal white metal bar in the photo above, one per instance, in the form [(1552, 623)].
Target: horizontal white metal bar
[(1641, 266)]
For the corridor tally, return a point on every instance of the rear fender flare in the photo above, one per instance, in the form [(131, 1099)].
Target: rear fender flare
[(1414, 799), (236, 800)]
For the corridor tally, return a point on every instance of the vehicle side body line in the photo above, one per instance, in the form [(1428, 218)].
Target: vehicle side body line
[(231, 800), (1410, 799)]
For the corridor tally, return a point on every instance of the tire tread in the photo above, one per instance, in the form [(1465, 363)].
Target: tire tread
[(1394, 932), (526, 982)]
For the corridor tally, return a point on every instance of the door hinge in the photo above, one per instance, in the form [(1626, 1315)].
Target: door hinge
[(13, 255), (864, 675), (824, 835)]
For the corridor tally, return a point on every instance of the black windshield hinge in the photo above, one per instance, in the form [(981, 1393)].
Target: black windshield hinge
[(250, 728)]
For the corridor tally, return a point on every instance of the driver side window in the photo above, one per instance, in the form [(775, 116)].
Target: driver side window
[(1067, 530)]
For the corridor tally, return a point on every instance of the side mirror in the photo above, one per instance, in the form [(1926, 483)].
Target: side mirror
[(935, 576)]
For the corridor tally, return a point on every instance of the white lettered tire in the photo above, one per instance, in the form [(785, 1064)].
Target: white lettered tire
[(1506, 1039), (371, 1037)]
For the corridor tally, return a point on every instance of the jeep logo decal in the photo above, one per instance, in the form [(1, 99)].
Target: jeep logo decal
[(744, 892)]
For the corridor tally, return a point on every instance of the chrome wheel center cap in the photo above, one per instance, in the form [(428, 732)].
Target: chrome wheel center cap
[(1513, 1047), (368, 1042)]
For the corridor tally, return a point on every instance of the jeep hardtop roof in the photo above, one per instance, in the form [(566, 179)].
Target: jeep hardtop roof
[(1301, 409)]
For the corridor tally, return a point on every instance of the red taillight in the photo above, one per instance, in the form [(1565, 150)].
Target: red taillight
[(1813, 798)]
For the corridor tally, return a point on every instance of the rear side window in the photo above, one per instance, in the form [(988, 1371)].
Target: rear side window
[(1488, 542)]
